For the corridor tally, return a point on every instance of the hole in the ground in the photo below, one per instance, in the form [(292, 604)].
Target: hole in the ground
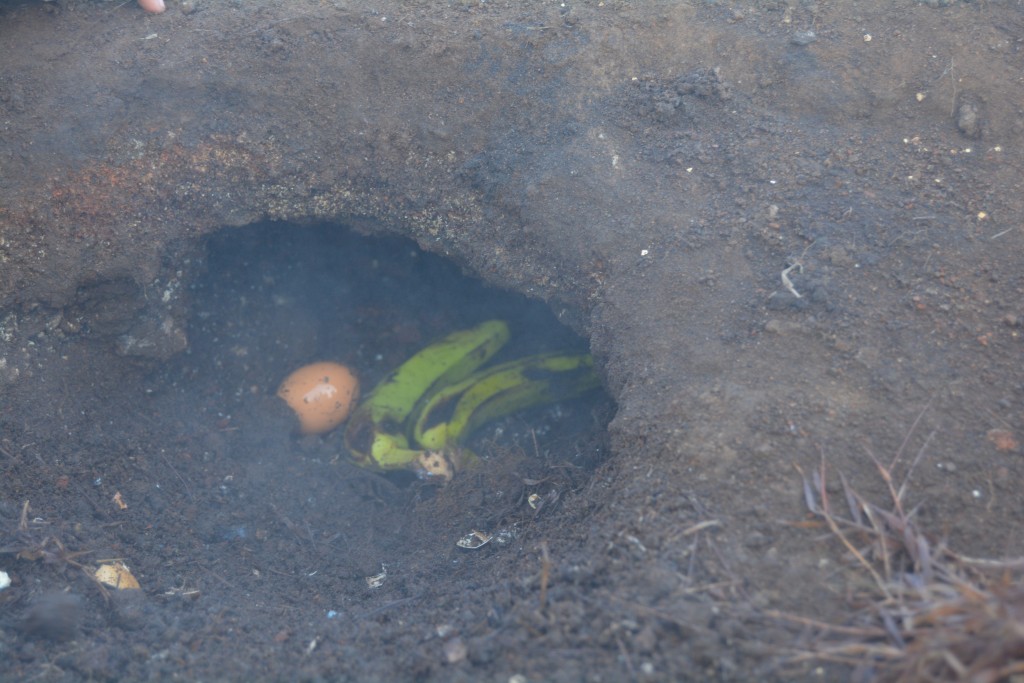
[(274, 508)]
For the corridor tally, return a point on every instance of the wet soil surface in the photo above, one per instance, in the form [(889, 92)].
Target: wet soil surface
[(790, 233)]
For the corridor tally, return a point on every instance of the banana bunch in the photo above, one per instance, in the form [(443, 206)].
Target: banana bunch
[(421, 414)]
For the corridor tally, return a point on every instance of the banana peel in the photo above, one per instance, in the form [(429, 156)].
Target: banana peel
[(451, 414), (420, 416), (375, 435)]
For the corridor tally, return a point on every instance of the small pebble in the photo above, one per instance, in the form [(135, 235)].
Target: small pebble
[(968, 120), (803, 38), (455, 650)]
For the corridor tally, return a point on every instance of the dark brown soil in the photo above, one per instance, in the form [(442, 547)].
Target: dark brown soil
[(788, 231)]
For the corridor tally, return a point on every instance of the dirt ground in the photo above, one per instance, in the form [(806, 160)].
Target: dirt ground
[(791, 233)]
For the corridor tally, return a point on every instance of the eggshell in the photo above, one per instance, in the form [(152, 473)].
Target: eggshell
[(321, 394), (116, 575), (154, 6)]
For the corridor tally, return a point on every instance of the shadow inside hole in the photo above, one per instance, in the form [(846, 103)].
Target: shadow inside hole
[(274, 297)]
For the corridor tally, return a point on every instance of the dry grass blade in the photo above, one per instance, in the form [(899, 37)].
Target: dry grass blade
[(852, 501), (825, 513), (809, 499), (910, 433), (937, 616), (920, 453)]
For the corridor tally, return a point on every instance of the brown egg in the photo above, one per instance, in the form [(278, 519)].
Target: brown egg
[(321, 395)]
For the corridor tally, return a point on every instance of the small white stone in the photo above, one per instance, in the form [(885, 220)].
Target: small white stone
[(5, 580)]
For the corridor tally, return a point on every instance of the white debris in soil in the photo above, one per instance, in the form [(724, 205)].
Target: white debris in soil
[(377, 580)]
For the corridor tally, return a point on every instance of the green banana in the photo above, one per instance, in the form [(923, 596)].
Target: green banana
[(452, 413), (376, 432)]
